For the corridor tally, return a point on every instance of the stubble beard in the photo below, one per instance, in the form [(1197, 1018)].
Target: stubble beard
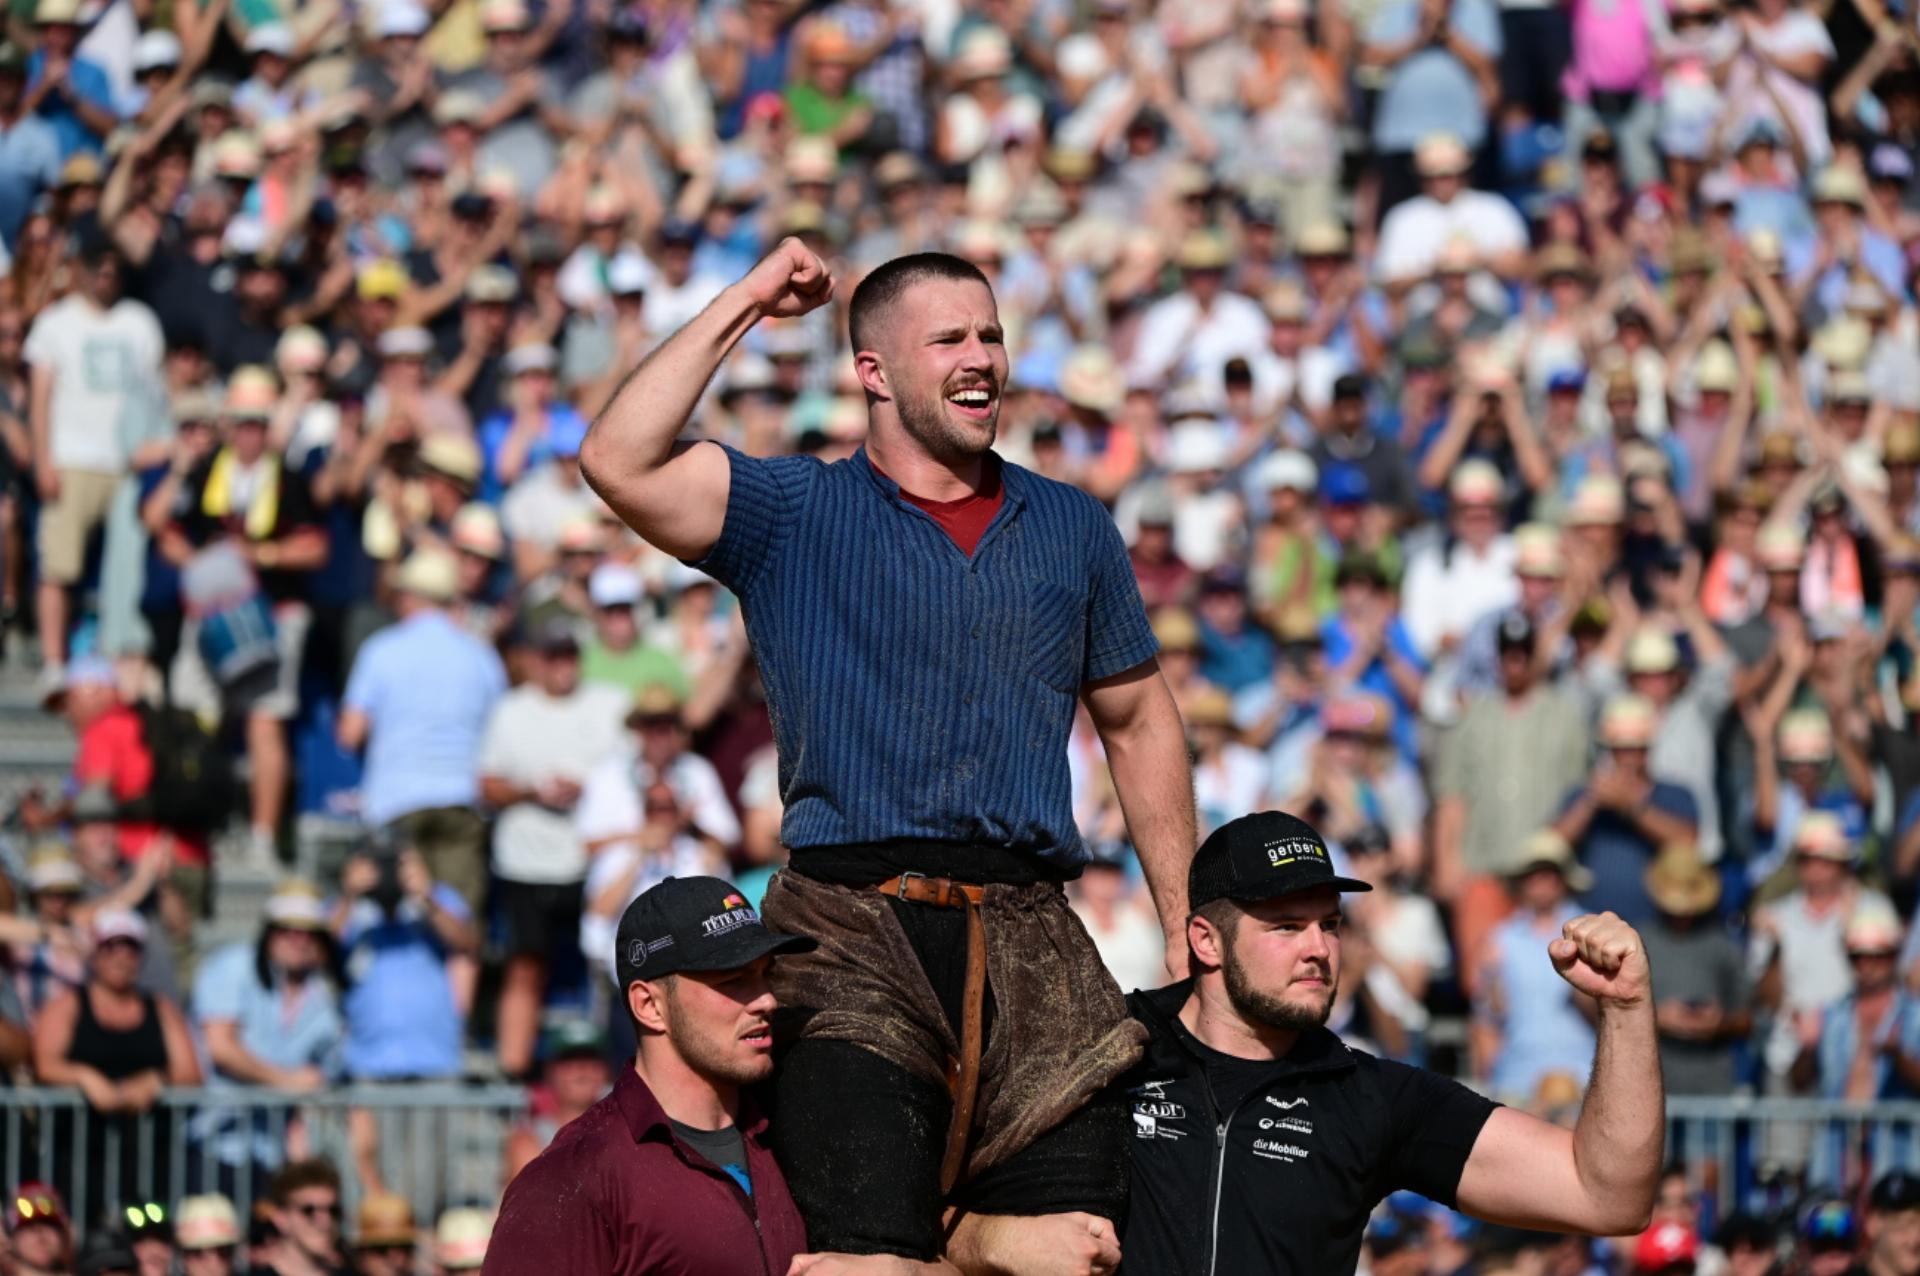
[(709, 1054), (925, 419), (1263, 1007)]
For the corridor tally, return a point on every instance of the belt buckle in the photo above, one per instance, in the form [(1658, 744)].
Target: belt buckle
[(900, 891)]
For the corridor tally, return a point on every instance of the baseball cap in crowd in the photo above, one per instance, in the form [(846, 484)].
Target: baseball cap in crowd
[(1547, 849), (1680, 883), (35, 1202), (384, 280), (533, 357), (694, 924), (206, 1222), (275, 38), (1830, 1226), (111, 924), (1286, 470), (1262, 856), (155, 50), (400, 19), (1345, 484), (1359, 566), (629, 274), (384, 1221), (573, 1038), (1392, 1232), (1515, 632), (107, 1253), (460, 1239), (1746, 1231), (556, 637), (1822, 835), (614, 585), (1895, 1192), (1666, 1247), (1476, 482)]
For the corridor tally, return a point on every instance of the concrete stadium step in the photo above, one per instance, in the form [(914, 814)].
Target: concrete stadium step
[(36, 747)]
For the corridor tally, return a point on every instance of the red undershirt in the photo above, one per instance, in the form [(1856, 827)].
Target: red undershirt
[(965, 520)]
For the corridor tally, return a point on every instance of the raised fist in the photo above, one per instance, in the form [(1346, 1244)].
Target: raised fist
[(789, 281), (1602, 956)]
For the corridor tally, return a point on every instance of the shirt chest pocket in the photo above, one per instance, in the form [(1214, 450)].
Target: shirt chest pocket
[(1056, 634)]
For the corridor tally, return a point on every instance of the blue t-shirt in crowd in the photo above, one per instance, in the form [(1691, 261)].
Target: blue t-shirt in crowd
[(563, 424), (1238, 662), (1337, 641), (1432, 91), (29, 164), (228, 988), (427, 687), (402, 1023), (1617, 853), (86, 82)]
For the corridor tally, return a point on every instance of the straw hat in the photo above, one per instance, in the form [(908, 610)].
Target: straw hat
[(1681, 883), (1547, 849), (384, 1219)]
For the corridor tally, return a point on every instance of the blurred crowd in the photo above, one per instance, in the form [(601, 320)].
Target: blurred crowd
[(1512, 409)]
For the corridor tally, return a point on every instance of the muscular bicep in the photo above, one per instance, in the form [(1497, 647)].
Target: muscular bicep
[(1521, 1173), (679, 505), (1126, 698)]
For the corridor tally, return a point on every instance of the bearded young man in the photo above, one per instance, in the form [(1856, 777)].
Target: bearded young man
[(1262, 1143), (925, 617)]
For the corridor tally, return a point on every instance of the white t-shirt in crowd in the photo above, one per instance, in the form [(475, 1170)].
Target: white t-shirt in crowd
[(532, 738), (1132, 948), (1413, 234), (683, 857), (612, 802), (105, 364)]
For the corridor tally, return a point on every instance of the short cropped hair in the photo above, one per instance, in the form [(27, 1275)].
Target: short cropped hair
[(879, 290), (301, 1175)]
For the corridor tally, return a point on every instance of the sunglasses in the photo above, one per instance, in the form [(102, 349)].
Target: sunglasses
[(311, 1210), (36, 1208)]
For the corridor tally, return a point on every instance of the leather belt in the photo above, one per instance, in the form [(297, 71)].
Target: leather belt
[(963, 1074)]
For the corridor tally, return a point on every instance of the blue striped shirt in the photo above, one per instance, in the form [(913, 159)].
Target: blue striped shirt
[(917, 693)]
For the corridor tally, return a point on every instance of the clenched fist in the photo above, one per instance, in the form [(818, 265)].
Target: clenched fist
[(1602, 956), (789, 281)]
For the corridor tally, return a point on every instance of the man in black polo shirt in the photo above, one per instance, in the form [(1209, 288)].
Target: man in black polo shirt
[(926, 620), (1262, 1143)]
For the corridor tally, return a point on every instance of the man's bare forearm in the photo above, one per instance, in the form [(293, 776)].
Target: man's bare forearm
[(1620, 1139), (1154, 778), (652, 404)]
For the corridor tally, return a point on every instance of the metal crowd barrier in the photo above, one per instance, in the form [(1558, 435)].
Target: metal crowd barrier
[(441, 1145), (1743, 1149), (437, 1145)]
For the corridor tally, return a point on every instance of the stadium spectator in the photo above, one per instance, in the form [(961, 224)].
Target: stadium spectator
[(1619, 819), (460, 1241), (418, 701), (384, 1236), (304, 1205), (39, 1234), (1866, 1045), (1123, 929), (95, 363), (1701, 990), (269, 1011), (1493, 781), (1528, 1025), (541, 742), (573, 1077), (207, 1231), (405, 937), (1892, 1226)]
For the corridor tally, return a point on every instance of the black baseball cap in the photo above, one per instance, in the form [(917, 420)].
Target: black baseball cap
[(1515, 631), (694, 924), (1262, 856), (1895, 1192)]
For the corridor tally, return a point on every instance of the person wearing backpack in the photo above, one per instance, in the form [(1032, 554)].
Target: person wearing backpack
[(146, 778)]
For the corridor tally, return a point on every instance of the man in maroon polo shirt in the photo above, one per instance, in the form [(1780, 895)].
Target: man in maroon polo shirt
[(670, 1173)]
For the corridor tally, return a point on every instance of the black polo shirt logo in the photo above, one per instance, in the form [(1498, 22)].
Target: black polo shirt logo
[(1154, 1113)]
